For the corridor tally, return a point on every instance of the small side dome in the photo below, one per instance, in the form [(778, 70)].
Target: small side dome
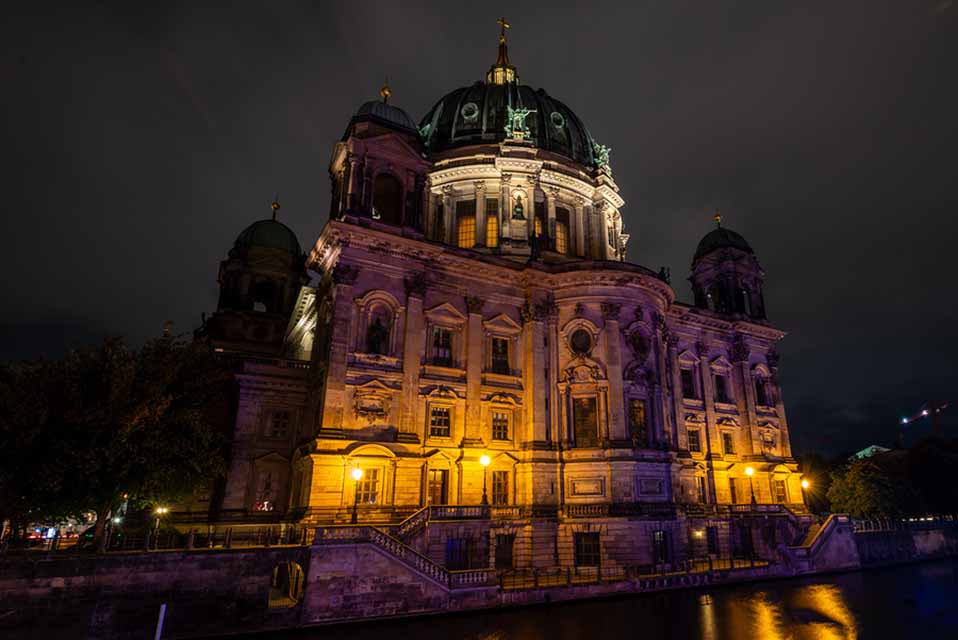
[(269, 234), (385, 113), (721, 238)]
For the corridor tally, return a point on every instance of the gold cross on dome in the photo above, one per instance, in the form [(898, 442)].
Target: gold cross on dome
[(505, 25)]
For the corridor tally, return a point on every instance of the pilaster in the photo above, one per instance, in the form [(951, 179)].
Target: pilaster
[(474, 360)]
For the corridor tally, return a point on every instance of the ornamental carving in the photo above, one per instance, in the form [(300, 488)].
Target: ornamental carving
[(372, 405), (416, 284), (640, 345), (610, 311), (345, 274), (473, 304)]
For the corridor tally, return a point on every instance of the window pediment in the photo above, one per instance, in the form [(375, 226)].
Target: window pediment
[(721, 365), (446, 314), (501, 324), (688, 358)]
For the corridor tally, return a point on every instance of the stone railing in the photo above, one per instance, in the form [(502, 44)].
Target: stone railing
[(459, 512), (662, 510), (413, 524)]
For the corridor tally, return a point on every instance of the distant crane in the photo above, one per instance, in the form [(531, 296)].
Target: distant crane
[(930, 410)]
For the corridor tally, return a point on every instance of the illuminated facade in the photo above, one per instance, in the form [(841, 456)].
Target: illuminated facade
[(471, 303)]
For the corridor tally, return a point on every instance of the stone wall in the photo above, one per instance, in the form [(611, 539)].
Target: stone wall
[(886, 547), (119, 595)]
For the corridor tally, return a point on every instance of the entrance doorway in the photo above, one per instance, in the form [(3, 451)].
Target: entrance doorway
[(438, 486)]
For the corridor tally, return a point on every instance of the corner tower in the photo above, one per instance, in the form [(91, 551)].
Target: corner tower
[(726, 276)]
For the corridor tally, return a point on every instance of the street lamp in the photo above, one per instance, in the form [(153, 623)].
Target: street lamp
[(749, 471), (484, 461), (805, 484), (160, 511), (357, 476)]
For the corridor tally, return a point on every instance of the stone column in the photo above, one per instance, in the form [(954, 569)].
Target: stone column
[(533, 381), (344, 276), (746, 400), (680, 436), (552, 193), (708, 399), (505, 204), (786, 444), (449, 215), (480, 213), (552, 322), (413, 347), (580, 246), (599, 242), (474, 360), (618, 429)]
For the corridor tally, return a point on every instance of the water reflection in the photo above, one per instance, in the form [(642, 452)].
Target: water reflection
[(894, 603)]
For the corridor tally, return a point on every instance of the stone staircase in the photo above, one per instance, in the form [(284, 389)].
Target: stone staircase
[(402, 553)]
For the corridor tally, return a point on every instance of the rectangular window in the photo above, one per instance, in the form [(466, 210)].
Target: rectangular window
[(562, 231), (587, 550), (504, 546), (500, 356), (688, 385), (441, 347), (660, 546), (611, 230), (728, 442), (781, 495), (459, 553), (733, 490), (721, 389), (695, 445), (500, 425), (466, 232), (638, 428), (585, 422), (492, 223), (712, 539), (440, 421), (279, 424), (368, 490), (500, 487), (700, 485)]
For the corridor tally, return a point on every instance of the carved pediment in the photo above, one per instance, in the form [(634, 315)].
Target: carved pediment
[(688, 358), (694, 418), (721, 363), (441, 391), (501, 324), (445, 314), (726, 421), (502, 398), (582, 370), (372, 401)]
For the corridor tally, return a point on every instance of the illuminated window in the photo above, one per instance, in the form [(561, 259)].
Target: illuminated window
[(466, 224), (440, 421), (367, 491), (562, 238), (587, 549), (500, 487), (500, 425), (492, 223), (538, 226), (695, 445), (279, 424), (466, 230), (781, 495)]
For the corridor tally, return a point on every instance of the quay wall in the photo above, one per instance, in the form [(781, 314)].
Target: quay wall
[(227, 591)]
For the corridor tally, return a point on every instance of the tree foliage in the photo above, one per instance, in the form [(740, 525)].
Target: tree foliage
[(105, 422)]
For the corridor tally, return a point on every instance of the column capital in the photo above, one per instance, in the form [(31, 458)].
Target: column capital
[(345, 274), (474, 304)]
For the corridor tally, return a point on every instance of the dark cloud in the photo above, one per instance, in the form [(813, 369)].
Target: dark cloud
[(138, 142)]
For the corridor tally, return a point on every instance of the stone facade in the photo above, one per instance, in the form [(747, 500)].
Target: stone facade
[(473, 338)]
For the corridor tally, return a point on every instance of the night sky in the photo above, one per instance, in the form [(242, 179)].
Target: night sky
[(136, 145)]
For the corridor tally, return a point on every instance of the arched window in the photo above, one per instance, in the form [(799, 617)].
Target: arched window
[(263, 296), (387, 199), (744, 302), (377, 332)]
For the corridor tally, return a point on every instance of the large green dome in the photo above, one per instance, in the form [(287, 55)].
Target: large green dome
[(269, 234), (477, 115)]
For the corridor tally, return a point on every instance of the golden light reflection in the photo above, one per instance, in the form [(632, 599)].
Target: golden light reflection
[(830, 617), (767, 619)]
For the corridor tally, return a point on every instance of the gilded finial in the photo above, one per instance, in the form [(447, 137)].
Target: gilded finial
[(502, 72), (275, 205), (385, 91), (717, 217)]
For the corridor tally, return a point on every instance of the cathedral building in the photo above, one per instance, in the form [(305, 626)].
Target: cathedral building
[(465, 359)]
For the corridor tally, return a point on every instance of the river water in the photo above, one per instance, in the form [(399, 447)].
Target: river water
[(912, 601)]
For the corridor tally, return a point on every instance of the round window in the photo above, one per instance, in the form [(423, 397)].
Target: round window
[(581, 342), (470, 111), (557, 120)]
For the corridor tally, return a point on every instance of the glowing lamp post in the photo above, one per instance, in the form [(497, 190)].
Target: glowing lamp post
[(357, 476), (160, 511), (749, 471), (805, 485), (484, 461)]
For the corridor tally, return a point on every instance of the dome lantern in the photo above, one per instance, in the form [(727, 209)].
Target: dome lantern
[(502, 72)]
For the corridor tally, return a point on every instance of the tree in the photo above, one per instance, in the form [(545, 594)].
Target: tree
[(110, 422), (874, 487)]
